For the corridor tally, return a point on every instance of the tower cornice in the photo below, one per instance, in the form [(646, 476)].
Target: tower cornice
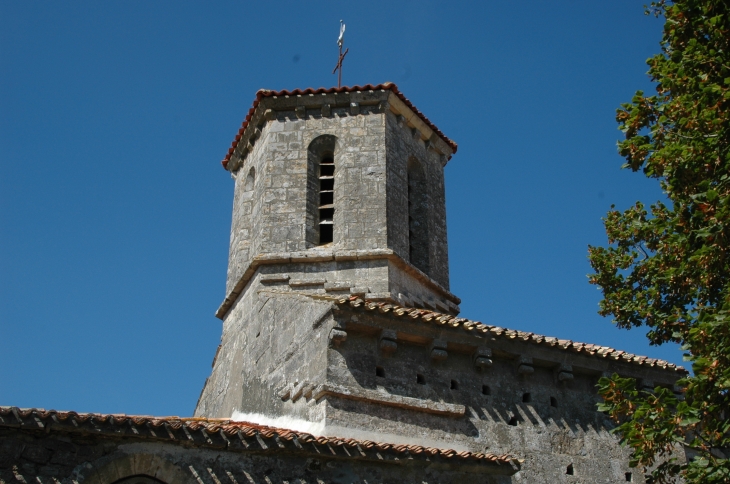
[(450, 303), (386, 96)]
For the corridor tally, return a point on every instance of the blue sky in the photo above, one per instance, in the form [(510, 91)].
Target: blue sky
[(115, 211)]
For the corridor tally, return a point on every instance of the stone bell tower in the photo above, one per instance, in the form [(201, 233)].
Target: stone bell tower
[(337, 191)]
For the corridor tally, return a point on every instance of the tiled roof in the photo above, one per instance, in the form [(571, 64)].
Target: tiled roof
[(447, 320), (262, 93), (207, 431)]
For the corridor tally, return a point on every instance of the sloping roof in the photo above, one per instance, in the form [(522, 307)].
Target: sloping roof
[(205, 431), (463, 324), (388, 86)]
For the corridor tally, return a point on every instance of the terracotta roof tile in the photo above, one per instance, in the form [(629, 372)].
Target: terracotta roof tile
[(427, 316), (388, 86), (144, 426)]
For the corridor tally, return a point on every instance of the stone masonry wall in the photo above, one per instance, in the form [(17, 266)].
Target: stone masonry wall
[(269, 340), (402, 143), (274, 217), (410, 383)]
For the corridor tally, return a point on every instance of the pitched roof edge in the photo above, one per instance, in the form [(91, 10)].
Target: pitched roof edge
[(448, 320), (263, 93), (36, 418)]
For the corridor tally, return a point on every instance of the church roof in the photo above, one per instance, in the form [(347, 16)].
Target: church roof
[(388, 86), (232, 434), (475, 327)]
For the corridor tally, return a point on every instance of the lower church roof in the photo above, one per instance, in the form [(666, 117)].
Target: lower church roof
[(475, 327), (233, 435)]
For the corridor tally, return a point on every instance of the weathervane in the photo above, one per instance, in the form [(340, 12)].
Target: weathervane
[(340, 41)]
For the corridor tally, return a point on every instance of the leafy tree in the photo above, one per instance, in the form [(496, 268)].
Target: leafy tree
[(668, 267)]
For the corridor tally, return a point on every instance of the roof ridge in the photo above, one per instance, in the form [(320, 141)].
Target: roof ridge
[(449, 320), (386, 86)]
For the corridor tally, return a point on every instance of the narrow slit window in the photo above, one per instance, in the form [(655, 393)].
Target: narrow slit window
[(326, 199), (629, 477), (420, 379), (553, 402), (379, 372), (321, 155), (526, 398), (454, 385), (486, 390), (570, 471)]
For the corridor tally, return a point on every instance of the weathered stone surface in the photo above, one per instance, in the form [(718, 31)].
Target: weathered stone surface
[(273, 181), (70, 448), (289, 352)]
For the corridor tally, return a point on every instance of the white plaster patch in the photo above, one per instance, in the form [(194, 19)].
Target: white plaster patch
[(384, 437), (319, 429), (282, 422)]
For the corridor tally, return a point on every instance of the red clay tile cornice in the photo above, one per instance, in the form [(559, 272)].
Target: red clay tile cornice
[(222, 432), (475, 327), (388, 86)]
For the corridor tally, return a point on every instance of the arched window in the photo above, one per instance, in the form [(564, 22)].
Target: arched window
[(321, 190), (418, 216)]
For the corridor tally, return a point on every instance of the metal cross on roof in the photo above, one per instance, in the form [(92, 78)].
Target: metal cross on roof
[(340, 41)]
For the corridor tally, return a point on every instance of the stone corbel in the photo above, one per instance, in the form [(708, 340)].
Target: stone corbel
[(525, 366), (338, 334), (388, 341), (437, 350), (431, 143), (270, 114), (482, 357), (564, 373), (647, 385), (326, 110), (354, 108), (301, 112), (235, 164), (256, 134)]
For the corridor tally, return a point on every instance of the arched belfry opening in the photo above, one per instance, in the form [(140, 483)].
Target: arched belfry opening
[(418, 212), (321, 190)]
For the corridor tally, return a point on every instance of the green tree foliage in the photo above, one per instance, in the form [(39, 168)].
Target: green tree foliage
[(668, 267)]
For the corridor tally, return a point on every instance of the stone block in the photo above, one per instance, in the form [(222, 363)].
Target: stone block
[(337, 286), (37, 454), (482, 357), (437, 350), (337, 336), (525, 366)]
